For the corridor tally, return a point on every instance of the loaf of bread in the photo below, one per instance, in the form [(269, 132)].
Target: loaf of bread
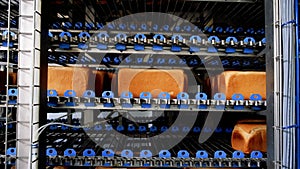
[(99, 78), (12, 80), (248, 137), (69, 78), (60, 167), (151, 80), (242, 82)]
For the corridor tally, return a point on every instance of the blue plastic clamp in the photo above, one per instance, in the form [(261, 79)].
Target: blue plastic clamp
[(164, 154), (157, 47), (256, 154), (108, 95), (51, 152), (230, 49), (238, 97), (108, 153), (256, 97), (208, 29), (78, 25), (219, 29), (239, 30), (111, 25), (98, 128), (122, 26), (144, 27), (108, 127), (67, 25), (145, 95), (163, 128), (166, 27), (69, 152), (102, 46), (120, 46), (207, 130), (183, 96), (186, 129), (250, 30), (11, 151), (172, 61), (174, 47), (187, 28), (139, 47), (210, 48), (52, 93), (263, 41), (229, 29), (127, 153), (218, 130), (89, 94), (238, 154), (153, 129), (70, 93), (132, 26), (12, 93), (131, 128), (177, 28), (228, 130), (164, 95), (145, 154), (193, 47), (220, 154), (220, 96), (89, 25), (175, 129), (247, 41), (89, 153), (50, 34), (196, 129), (126, 95), (201, 96), (201, 154), (65, 45), (183, 154), (99, 25), (120, 128), (142, 129), (56, 25), (155, 27), (4, 43), (83, 45)]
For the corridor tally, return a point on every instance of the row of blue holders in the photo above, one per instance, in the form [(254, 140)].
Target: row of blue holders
[(158, 61), (141, 129), (145, 97), (156, 27), (5, 35), (177, 41), (201, 154)]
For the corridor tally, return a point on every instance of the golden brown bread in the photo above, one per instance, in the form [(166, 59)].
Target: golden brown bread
[(12, 80), (151, 80), (60, 167), (245, 83), (68, 78), (248, 137), (98, 77)]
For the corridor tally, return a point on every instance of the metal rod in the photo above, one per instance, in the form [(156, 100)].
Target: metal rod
[(7, 83)]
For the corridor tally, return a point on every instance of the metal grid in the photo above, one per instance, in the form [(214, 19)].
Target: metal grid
[(27, 117)]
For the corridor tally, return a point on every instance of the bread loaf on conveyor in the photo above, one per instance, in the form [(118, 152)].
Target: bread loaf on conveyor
[(248, 137), (60, 167), (151, 80), (242, 82), (12, 80), (69, 78), (99, 78)]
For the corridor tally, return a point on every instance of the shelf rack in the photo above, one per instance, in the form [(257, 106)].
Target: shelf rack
[(34, 46)]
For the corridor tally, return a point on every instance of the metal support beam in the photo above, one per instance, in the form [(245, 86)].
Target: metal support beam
[(28, 77)]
